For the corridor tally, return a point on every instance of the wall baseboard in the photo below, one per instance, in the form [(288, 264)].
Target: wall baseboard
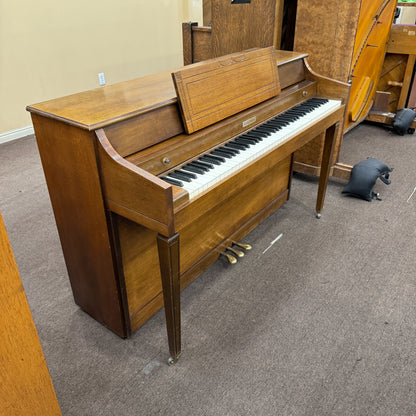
[(16, 134)]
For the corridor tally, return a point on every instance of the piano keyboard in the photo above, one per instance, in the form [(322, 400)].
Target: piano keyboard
[(202, 173)]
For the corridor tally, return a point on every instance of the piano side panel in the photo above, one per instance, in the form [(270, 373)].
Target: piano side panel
[(132, 192), (68, 159), (199, 239)]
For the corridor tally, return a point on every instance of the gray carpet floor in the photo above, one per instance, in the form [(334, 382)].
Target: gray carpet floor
[(321, 323)]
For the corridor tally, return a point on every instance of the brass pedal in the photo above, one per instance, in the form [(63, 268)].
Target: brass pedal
[(231, 259), (238, 253), (242, 245)]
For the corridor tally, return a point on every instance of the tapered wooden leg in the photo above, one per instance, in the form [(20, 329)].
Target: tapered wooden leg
[(327, 156), (169, 268)]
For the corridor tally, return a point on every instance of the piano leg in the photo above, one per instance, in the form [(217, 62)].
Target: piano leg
[(168, 249), (327, 156)]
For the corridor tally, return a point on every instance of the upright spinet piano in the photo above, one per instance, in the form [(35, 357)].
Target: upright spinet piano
[(152, 179)]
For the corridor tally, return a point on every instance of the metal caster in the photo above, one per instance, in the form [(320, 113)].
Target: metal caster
[(173, 361), (318, 215)]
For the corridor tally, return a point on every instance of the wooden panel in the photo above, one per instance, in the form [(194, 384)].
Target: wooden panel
[(26, 387), (201, 44), (187, 42), (326, 31), (100, 107), (211, 91), (237, 27), (207, 12), (291, 73), (69, 162), (132, 192), (134, 134), (197, 237), (402, 39)]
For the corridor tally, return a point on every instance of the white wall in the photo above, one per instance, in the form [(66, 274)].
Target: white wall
[(52, 48)]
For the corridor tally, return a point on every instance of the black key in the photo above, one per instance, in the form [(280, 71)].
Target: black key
[(244, 141), (263, 129), (218, 152), (178, 175), (286, 117), (212, 159), (201, 165), (252, 136), (249, 139), (172, 181), (235, 146), (194, 169), (279, 122), (188, 174), (275, 126), (228, 150), (245, 145), (256, 134)]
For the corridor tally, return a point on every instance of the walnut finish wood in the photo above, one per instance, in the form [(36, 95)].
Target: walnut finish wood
[(201, 44), (26, 387), (327, 155), (69, 162), (132, 192), (168, 249), (230, 28), (187, 42), (122, 227), (236, 27), (221, 87)]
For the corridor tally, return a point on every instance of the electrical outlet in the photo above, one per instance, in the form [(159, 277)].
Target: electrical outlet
[(101, 78)]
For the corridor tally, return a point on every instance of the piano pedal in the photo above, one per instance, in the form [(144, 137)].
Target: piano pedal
[(242, 245), (231, 259), (238, 253)]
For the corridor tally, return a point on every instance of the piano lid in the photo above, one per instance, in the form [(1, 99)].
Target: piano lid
[(109, 104)]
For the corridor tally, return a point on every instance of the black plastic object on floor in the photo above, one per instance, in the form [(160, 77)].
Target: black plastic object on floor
[(364, 176), (402, 121)]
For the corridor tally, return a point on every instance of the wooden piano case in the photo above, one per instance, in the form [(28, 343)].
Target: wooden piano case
[(129, 238)]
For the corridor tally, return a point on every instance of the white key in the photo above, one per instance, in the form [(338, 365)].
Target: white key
[(222, 171)]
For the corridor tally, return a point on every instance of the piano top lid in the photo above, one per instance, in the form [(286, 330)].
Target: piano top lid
[(107, 105)]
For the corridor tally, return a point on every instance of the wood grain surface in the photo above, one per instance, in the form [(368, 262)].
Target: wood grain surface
[(216, 89), (25, 385)]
